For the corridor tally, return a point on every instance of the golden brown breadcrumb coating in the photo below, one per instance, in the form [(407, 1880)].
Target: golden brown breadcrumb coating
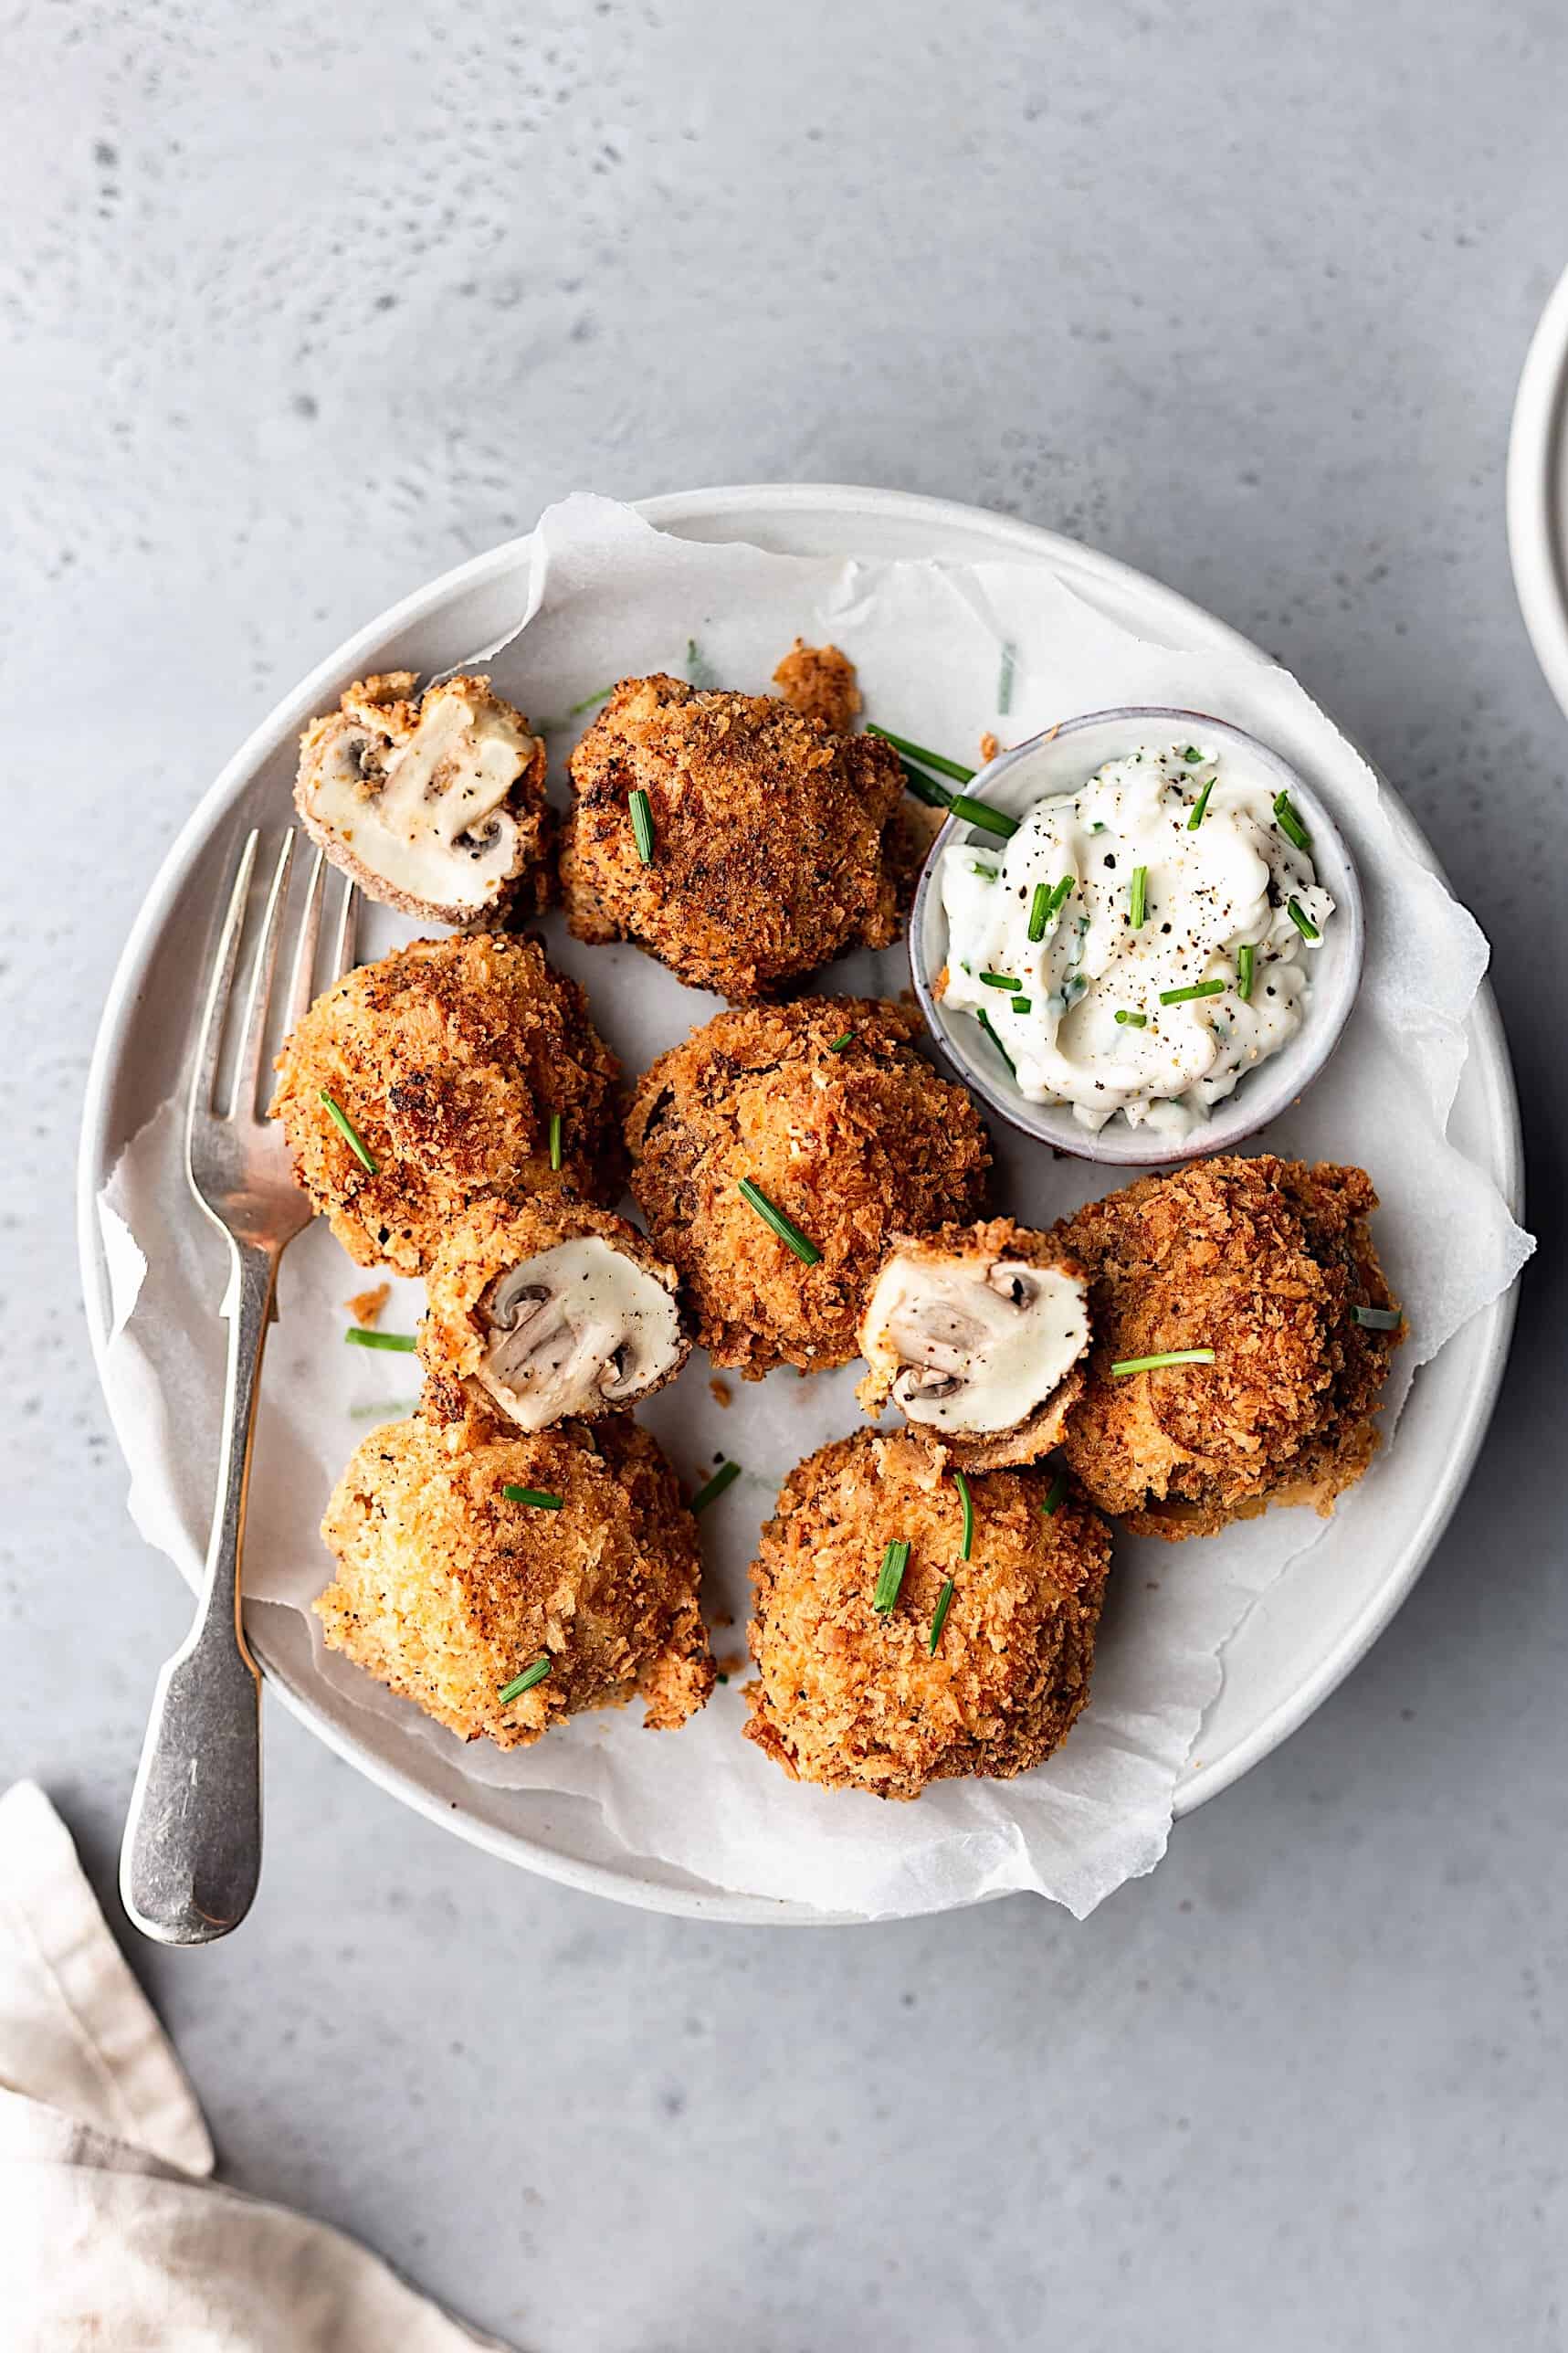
[(771, 836), (1262, 1259), (853, 1145), (487, 1241), (854, 1699), (445, 1591), (448, 1057), (376, 721), (819, 682)]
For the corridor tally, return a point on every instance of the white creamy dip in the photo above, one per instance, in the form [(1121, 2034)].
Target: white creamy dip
[(579, 1326), (1134, 887)]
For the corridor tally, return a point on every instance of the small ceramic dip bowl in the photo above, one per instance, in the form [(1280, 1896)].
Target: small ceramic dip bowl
[(1060, 762)]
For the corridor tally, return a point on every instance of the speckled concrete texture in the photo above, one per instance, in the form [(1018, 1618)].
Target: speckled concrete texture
[(300, 305)]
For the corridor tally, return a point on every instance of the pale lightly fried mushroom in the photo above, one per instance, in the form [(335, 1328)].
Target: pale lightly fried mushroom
[(977, 1334), (435, 805)]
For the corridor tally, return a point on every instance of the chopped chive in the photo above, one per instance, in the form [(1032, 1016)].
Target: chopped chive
[(1290, 824), (755, 1199), (589, 703), (535, 1497), (356, 1142), (1132, 1021), (556, 1139), (720, 1679), (1192, 756), (725, 1476), (1153, 1364), (836, 1045), (642, 823), (985, 1020), (524, 1681), (1302, 920), (1198, 988), (895, 1560), (1022, 1004), (917, 752), (1039, 912), (978, 866), (1138, 897), (939, 1618), (1245, 956), (1055, 1495), (1199, 805), (1001, 980), (359, 1336), (1061, 892), (1378, 1319), (981, 813), (926, 788), (1005, 682), (967, 1500)]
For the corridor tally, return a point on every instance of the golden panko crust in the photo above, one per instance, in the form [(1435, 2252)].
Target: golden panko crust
[(772, 838), (853, 1699), (993, 1237), (489, 1239), (448, 1057), (853, 1145), (1262, 1259), (387, 707), (819, 682), (445, 1591)]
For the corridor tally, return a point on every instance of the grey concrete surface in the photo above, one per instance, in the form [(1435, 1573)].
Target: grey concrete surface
[(301, 304)]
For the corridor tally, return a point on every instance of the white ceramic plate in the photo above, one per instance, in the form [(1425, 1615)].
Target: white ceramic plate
[(1538, 491), (1310, 1626)]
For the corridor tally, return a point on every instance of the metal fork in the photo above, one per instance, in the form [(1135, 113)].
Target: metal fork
[(191, 1852)]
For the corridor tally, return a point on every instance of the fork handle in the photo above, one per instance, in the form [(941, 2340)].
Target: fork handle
[(191, 1856)]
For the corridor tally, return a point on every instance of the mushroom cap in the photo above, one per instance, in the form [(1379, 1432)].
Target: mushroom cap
[(1263, 1260), (853, 1146), (606, 1294), (446, 1589), (852, 1698), (433, 804), (448, 1057), (977, 1333), (772, 835)]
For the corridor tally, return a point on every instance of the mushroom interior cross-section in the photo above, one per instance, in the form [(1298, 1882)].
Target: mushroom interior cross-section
[(433, 804), (976, 1332), (547, 1309)]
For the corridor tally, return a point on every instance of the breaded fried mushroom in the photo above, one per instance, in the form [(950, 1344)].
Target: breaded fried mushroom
[(450, 1592), (433, 803), (418, 1085), (977, 1334), (890, 1699), (740, 843), (1265, 1261), (824, 1113), (546, 1310)]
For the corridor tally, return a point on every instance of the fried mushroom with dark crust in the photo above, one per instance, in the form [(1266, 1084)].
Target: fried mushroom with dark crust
[(448, 1060), (432, 803), (1263, 1260), (977, 1334), (825, 1108), (773, 839), (547, 1309), (447, 1590), (856, 1698)]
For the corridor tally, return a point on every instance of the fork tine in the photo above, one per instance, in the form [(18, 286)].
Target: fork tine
[(348, 932), (248, 1074), (203, 1070), (302, 973)]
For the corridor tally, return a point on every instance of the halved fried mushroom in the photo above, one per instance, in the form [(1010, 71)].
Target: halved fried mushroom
[(546, 1310), (434, 805), (977, 1333)]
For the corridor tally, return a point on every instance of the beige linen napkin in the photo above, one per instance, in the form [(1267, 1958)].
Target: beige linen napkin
[(112, 2232)]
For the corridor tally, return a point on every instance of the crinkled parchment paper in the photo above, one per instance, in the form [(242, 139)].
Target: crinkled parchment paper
[(937, 646)]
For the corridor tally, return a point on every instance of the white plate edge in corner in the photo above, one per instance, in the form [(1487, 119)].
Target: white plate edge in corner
[(1537, 518), (769, 512)]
